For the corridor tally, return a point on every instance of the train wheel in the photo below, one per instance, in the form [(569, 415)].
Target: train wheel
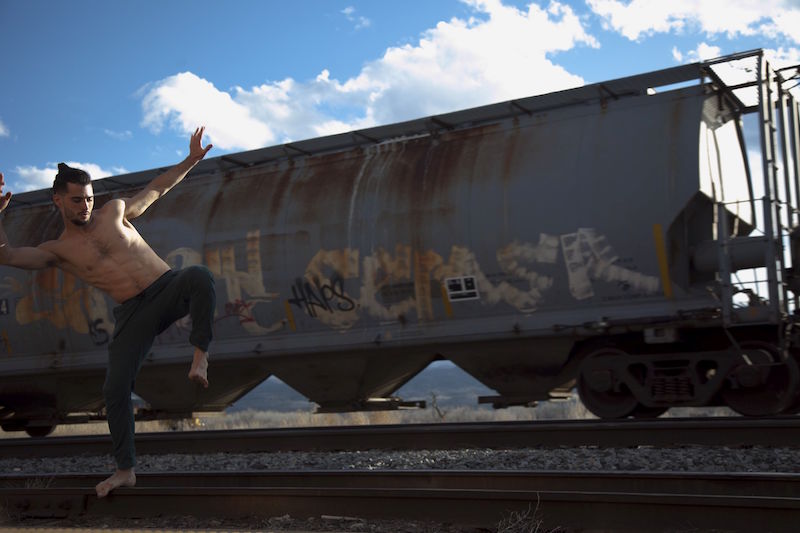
[(762, 384), (39, 431), (14, 425), (599, 389), (649, 412)]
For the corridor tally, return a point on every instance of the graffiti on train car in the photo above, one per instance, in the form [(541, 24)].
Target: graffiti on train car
[(588, 257), (339, 287), (321, 296), (244, 289), (63, 300)]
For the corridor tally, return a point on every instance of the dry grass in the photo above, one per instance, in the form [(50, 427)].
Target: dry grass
[(527, 521), (250, 419), (38, 482), (256, 419), (253, 419)]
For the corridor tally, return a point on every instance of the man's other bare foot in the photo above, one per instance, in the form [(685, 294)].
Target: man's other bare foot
[(120, 478), (199, 371)]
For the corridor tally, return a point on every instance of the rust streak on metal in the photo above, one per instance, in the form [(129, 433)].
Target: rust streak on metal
[(289, 315), (448, 307)]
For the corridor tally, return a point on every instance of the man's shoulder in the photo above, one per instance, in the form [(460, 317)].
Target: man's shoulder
[(50, 246), (57, 247), (113, 209), (113, 205)]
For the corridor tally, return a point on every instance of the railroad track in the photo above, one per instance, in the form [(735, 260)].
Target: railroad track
[(610, 500), (728, 431)]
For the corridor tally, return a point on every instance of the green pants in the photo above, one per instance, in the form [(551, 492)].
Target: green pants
[(138, 322)]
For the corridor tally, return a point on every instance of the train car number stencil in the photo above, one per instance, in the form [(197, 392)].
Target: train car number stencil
[(462, 288)]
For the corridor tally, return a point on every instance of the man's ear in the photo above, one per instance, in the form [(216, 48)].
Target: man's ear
[(57, 200)]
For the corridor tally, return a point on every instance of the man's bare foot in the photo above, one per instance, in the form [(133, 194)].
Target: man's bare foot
[(199, 371), (120, 478)]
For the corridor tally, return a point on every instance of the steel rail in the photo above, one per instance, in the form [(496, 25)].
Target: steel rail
[(728, 431), (609, 500), (769, 484)]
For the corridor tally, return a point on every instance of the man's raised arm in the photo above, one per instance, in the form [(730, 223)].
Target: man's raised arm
[(25, 256), (137, 204)]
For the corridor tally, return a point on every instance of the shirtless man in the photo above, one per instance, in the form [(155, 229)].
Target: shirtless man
[(103, 249)]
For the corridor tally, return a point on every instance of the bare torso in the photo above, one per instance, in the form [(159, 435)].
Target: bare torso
[(108, 253)]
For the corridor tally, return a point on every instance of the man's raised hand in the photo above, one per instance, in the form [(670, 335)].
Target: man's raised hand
[(196, 150), (4, 198)]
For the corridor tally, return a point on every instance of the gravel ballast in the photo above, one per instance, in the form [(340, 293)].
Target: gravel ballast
[(690, 458)]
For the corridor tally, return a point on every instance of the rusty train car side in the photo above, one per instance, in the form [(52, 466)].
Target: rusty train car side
[(594, 238)]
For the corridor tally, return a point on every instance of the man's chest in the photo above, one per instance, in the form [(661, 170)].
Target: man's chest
[(91, 249)]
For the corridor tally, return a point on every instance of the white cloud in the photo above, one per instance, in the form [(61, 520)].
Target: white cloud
[(3, 130), (500, 53), (783, 57), (360, 22), (637, 18), (787, 21), (706, 51), (701, 53), (187, 101), (119, 135), (34, 178)]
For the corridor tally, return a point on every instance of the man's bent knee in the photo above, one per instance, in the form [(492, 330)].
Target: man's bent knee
[(200, 274)]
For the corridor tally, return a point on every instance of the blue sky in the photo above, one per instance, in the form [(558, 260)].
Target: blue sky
[(116, 86)]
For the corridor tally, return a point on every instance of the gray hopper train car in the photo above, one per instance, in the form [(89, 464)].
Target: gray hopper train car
[(611, 238)]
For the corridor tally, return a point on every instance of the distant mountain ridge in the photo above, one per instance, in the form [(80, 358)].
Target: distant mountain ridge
[(451, 385)]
